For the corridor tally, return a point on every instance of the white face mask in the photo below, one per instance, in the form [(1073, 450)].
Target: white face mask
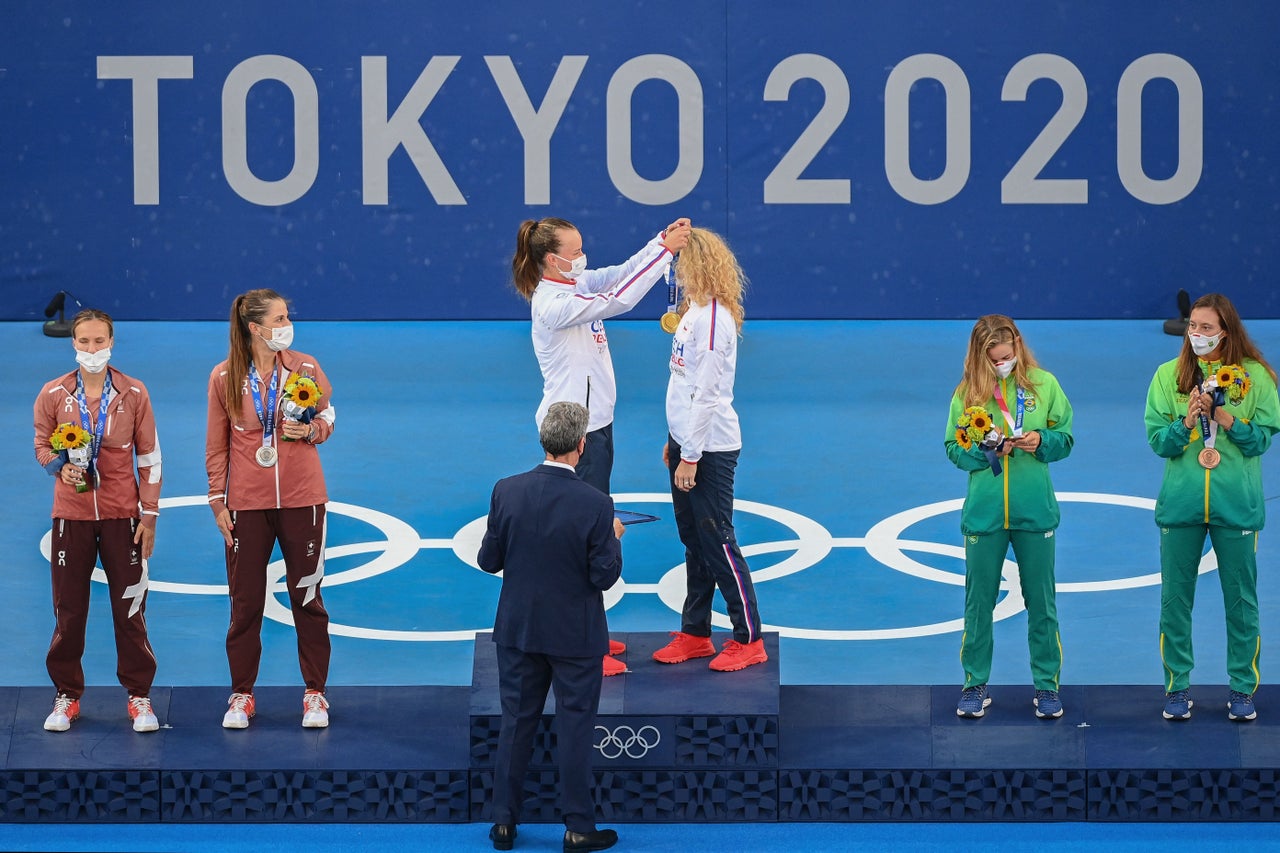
[(281, 338), (577, 267), (1004, 368), (94, 362), (1204, 344)]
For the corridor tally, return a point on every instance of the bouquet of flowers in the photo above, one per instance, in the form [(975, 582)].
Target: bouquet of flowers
[(301, 393), (1232, 381), (976, 426), (77, 444)]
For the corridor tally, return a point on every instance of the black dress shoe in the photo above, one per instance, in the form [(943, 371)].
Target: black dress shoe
[(503, 836), (596, 839)]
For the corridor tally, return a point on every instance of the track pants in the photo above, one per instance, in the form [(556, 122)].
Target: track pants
[(300, 532), (74, 551), (984, 560)]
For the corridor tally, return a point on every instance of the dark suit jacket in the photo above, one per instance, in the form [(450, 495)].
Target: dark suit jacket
[(551, 535)]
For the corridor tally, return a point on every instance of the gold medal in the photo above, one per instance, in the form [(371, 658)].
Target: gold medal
[(266, 456), (1209, 458), (670, 321)]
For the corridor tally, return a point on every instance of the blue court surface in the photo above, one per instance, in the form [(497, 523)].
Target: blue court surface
[(848, 509)]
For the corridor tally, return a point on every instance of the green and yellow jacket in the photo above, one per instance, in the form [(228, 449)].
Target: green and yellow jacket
[(1229, 495), (1021, 496)]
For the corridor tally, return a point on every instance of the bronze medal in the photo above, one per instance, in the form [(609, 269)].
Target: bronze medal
[(670, 321), (1209, 458)]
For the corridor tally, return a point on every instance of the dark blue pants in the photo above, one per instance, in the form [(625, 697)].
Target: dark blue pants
[(596, 465), (704, 518), (523, 680)]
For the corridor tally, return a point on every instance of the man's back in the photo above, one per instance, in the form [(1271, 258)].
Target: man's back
[(552, 537)]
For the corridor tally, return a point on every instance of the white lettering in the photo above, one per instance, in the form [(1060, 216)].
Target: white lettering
[(146, 72), (536, 126), (381, 136), (689, 117), (235, 131)]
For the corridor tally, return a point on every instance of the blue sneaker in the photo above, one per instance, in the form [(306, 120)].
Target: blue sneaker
[(1240, 706), (1177, 705), (1047, 703), (973, 702)]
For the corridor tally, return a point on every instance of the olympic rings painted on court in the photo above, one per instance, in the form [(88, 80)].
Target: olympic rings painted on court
[(627, 741), (812, 543)]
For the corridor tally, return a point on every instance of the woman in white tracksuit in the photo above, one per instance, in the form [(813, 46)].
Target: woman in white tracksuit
[(569, 304)]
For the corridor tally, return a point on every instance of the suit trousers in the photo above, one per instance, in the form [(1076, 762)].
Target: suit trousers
[(704, 519), (300, 532), (523, 681), (74, 550)]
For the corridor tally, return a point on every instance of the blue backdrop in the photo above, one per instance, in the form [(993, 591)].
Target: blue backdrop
[(926, 159)]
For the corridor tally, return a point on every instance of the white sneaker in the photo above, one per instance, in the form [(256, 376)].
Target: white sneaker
[(315, 710), (240, 709), (65, 710), (144, 719)]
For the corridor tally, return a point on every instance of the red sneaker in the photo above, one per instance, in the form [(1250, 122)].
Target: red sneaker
[(616, 648), (683, 647), (739, 656), (613, 666)]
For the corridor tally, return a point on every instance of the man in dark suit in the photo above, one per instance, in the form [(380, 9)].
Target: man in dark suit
[(556, 541)]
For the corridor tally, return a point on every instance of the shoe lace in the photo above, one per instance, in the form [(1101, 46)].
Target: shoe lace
[(1180, 696), (971, 694), (1237, 696), (314, 702), (139, 705), (733, 647), (62, 703), (238, 703), (1046, 694)]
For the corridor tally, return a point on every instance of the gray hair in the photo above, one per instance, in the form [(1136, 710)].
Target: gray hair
[(562, 428)]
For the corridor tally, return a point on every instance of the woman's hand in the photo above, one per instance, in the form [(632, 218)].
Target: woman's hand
[(1224, 418), (676, 237), (1028, 442), (686, 475), (1195, 408), (72, 475), (223, 520), (145, 538), (295, 430)]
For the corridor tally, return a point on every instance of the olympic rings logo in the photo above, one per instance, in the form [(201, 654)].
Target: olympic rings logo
[(627, 741), (811, 544)]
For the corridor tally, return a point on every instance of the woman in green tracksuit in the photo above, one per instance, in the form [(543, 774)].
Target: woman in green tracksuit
[(1015, 506), (1212, 444)]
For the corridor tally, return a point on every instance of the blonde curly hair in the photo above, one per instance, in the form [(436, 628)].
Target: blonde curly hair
[(707, 269)]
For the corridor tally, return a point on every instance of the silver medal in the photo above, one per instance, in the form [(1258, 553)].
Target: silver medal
[(266, 456)]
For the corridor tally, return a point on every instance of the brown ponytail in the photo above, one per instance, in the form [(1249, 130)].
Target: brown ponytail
[(535, 239), (247, 308)]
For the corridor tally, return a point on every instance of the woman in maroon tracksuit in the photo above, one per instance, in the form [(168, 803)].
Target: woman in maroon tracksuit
[(266, 486), (101, 509)]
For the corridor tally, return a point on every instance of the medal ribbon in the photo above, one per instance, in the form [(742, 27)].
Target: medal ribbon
[(268, 419), (103, 404), (672, 291), (1020, 405), (1209, 428)]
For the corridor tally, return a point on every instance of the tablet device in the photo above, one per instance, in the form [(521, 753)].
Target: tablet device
[(633, 517)]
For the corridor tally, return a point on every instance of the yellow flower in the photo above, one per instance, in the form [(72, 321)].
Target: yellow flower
[(980, 421), (68, 437), (302, 390), (1226, 376)]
